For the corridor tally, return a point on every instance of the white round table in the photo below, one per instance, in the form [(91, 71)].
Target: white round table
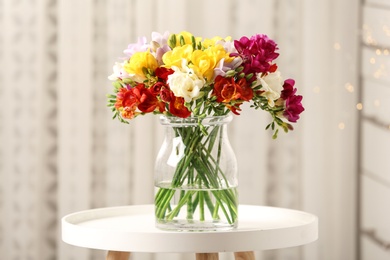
[(121, 230)]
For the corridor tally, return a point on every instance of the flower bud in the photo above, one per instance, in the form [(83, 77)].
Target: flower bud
[(239, 69), (249, 76), (230, 73)]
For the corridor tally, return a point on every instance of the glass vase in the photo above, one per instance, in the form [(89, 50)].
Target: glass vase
[(196, 176)]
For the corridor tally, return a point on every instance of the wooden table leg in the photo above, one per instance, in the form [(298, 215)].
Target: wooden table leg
[(116, 255), (207, 256), (248, 255)]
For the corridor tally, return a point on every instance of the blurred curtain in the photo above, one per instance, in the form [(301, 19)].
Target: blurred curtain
[(61, 152)]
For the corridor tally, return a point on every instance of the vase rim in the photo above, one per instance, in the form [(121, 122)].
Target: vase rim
[(194, 120)]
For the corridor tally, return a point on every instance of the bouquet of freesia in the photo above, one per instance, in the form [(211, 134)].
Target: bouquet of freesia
[(183, 76)]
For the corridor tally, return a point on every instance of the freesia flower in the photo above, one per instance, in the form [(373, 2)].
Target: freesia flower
[(232, 93), (293, 108), (271, 85), (177, 107), (204, 62), (257, 53), (185, 83), (119, 72), (140, 46), (175, 57), (140, 62), (288, 89), (131, 101), (160, 45)]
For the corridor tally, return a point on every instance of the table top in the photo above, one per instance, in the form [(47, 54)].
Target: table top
[(132, 229)]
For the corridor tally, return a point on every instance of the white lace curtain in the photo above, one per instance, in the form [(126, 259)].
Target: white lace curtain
[(61, 152)]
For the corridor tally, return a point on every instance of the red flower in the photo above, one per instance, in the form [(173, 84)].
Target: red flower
[(166, 94), (177, 108), (232, 93), (163, 73), (227, 89), (246, 90), (128, 100), (148, 102)]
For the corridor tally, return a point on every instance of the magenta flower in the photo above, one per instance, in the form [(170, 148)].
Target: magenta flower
[(288, 89), (293, 105), (257, 53), (293, 108)]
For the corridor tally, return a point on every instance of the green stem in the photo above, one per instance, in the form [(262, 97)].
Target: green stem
[(181, 203), (201, 205)]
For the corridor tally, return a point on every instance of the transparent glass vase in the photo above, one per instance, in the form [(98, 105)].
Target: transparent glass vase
[(196, 177)]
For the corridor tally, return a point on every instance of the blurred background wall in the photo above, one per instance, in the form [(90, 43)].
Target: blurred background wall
[(61, 152)]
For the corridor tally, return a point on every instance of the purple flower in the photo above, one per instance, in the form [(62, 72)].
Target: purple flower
[(141, 46), (160, 43), (224, 67)]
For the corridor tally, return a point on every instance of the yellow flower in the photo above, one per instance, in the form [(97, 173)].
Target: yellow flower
[(204, 62), (211, 42), (139, 62), (176, 56)]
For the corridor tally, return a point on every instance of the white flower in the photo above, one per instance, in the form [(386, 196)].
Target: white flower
[(272, 85), (118, 72), (185, 83)]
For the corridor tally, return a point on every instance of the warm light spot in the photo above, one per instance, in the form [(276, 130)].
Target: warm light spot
[(377, 102), (316, 89), (359, 106), (372, 60), (381, 71), (378, 52), (349, 87), (337, 46), (341, 126), (386, 52), (386, 30)]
